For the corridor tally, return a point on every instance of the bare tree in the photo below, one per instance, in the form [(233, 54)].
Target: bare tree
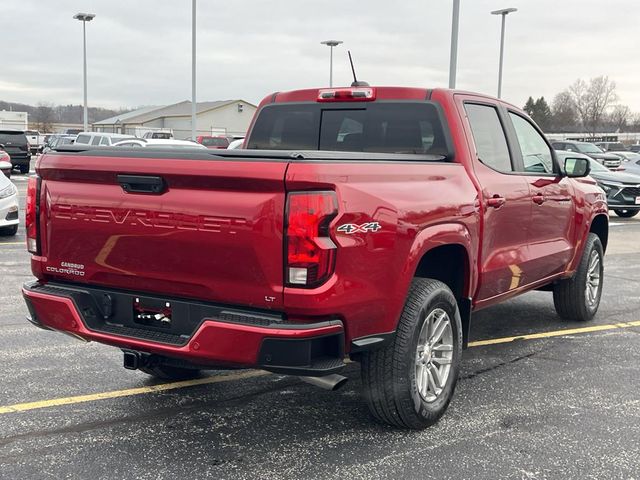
[(564, 113), (619, 117), (44, 116), (592, 100)]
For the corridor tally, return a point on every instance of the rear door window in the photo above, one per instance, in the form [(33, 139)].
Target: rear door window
[(489, 137), (96, 140), (384, 127)]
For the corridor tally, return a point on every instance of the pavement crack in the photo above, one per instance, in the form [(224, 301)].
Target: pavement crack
[(497, 366)]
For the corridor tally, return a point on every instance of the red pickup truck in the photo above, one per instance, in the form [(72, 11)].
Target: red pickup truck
[(361, 222)]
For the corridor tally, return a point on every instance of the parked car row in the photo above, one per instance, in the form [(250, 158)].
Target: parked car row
[(621, 186), (609, 160), (155, 138)]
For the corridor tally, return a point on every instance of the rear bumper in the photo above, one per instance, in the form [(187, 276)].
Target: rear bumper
[(222, 337), (20, 159)]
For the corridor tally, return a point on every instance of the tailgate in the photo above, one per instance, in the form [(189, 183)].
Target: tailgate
[(213, 232)]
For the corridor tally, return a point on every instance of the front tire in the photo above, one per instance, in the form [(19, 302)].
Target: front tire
[(24, 168), (410, 382), (578, 298), (626, 213)]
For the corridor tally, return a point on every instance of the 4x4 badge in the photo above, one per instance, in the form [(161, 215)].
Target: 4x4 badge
[(350, 228)]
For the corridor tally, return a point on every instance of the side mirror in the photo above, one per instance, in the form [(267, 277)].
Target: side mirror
[(576, 167)]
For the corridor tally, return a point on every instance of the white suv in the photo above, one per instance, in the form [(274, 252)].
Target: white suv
[(99, 138)]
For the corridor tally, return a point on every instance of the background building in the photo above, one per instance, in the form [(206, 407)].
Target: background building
[(225, 117), (13, 120)]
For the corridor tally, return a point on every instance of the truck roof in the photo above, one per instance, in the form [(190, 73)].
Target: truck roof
[(381, 93)]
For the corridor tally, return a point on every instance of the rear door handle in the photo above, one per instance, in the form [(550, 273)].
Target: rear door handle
[(538, 198), (142, 184), (496, 201)]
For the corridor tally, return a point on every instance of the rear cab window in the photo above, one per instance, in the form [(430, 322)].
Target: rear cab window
[(380, 127), (215, 142)]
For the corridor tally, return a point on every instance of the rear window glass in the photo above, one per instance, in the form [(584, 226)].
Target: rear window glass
[(17, 138), (214, 142), (162, 135), (385, 127)]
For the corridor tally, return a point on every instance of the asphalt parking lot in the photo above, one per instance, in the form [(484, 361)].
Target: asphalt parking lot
[(563, 401)]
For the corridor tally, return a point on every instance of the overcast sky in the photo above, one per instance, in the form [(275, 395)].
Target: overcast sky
[(139, 51)]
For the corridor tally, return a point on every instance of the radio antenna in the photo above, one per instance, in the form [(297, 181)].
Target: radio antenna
[(356, 82), (353, 70)]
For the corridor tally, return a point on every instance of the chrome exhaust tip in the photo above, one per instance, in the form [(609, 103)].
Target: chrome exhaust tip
[(328, 382)]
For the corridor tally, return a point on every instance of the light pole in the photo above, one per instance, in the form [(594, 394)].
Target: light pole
[(193, 70), (84, 18), (331, 44), (504, 12), (453, 58)]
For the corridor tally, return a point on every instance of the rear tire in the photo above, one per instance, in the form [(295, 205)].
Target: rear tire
[(578, 298), (410, 382), (626, 213), (167, 372), (9, 231)]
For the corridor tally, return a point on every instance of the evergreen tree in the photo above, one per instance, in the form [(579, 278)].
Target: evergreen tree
[(529, 107), (542, 114)]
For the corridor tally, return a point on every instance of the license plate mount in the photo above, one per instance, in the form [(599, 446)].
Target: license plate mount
[(152, 312)]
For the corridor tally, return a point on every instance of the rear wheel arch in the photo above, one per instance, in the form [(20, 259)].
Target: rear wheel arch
[(600, 226), (449, 264)]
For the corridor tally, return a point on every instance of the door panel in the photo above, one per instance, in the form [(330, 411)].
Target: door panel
[(504, 252), (551, 230), (506, 202)]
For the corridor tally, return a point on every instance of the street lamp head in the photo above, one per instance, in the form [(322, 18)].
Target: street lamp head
[(84, 17), (331, 43), (504, 11)]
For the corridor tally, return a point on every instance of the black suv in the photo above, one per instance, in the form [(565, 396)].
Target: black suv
[(15, 144), (609, 160)]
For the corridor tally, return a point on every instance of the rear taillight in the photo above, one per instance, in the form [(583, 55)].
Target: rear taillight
[(309, 248), (31, 214), (346, 95)]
